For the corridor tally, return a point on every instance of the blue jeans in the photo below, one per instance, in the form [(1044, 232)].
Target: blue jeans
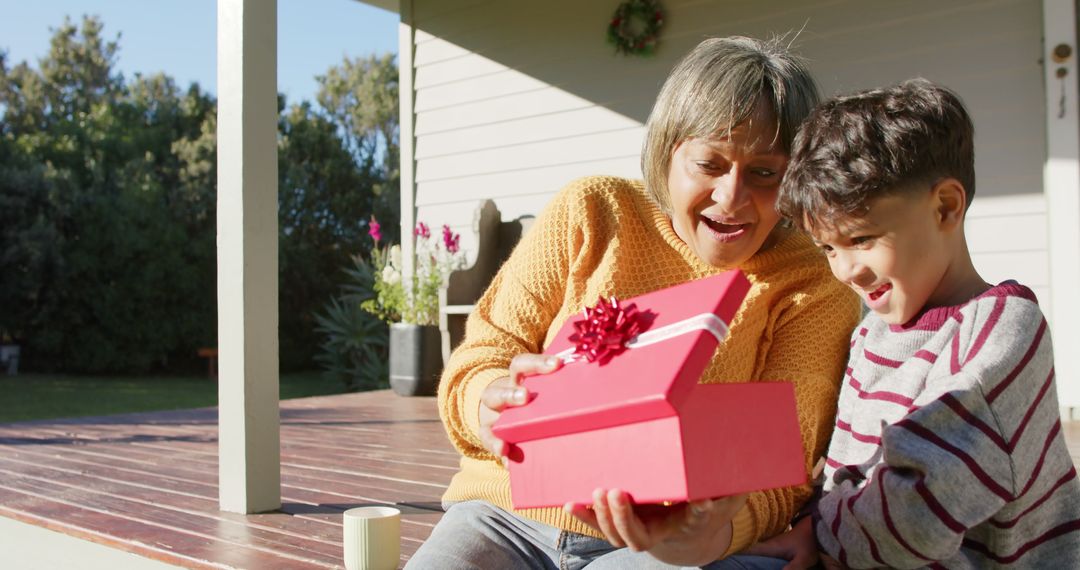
[(477, 534)]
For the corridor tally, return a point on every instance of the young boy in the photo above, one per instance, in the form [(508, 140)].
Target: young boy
[(947, 449)]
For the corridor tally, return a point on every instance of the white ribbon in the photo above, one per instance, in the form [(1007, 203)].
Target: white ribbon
[(704, 322)]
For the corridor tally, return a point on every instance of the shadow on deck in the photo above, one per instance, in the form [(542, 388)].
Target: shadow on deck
[(147, 483)]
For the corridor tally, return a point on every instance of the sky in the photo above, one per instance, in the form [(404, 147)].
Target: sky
[(179, 37)]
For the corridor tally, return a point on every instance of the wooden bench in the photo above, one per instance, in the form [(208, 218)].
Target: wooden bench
[(495, 239)]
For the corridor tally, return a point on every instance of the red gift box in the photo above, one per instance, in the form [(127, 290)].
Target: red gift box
[(636, 419)]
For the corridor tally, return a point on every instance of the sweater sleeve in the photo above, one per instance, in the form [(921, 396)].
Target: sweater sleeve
[(970, 445), (511, 317), (810, 342)]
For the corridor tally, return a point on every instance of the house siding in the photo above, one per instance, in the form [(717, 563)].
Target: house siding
[(513, 99)]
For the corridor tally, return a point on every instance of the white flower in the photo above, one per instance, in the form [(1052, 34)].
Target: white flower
[(395, 258), (391, 276)]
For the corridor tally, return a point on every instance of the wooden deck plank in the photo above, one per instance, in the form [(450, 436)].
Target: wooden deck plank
[(147, 483), (295, 484), (317, 517), (230, 532), (307, 434), (185, 503), (332, 461), (181, 549), (201, 497)]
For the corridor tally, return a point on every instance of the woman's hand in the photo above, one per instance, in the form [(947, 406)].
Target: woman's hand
[(507, 392), (797, 546), (690, 534)]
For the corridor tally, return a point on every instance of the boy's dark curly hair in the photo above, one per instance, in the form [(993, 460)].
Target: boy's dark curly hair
[(856, 148)]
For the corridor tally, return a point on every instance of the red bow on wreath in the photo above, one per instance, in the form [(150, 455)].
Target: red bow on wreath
[(606, 329)]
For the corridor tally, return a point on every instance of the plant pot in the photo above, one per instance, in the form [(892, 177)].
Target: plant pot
[(415, 359)]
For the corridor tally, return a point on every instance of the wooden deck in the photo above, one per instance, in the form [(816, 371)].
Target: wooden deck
[(147, 483)]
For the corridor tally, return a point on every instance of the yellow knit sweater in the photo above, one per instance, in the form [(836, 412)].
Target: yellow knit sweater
[(603, 236)]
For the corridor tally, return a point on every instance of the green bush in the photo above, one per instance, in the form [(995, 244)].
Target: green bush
[(355, 349), (108, 206), (108, 230)]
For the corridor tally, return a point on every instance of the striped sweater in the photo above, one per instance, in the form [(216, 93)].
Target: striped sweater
[(948, 449)]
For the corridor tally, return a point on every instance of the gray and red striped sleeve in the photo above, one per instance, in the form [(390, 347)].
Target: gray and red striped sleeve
[(979, 448)]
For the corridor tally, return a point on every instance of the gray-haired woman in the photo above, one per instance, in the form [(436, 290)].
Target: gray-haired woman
[(716, 147)]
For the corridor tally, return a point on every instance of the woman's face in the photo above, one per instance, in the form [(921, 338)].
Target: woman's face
[(723, 191)]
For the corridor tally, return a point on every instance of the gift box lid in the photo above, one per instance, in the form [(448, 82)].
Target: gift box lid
[(640, 383)]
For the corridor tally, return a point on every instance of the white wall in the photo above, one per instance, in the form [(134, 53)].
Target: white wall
[(519, 112), (1008, 240), (515, 98)]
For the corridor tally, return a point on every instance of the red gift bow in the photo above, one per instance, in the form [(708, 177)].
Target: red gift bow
[(605, 330)]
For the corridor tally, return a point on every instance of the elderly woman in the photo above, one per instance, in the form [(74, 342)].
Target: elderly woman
[(716, 147)]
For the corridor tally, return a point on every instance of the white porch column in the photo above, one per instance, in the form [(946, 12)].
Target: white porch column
[(1061, 180), (249, 456), (406, 136)]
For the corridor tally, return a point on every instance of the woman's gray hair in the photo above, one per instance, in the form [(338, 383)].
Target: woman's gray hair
[(717, 87)]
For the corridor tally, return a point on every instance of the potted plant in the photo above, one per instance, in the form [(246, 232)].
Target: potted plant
[(411, 307)]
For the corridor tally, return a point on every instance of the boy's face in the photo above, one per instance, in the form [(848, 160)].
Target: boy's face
[(895, 257), (723, 192)]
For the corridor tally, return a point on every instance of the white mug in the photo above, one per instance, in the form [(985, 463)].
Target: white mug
[(372, 538)]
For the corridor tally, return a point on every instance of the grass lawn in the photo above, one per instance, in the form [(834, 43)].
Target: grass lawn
[(44, 396)]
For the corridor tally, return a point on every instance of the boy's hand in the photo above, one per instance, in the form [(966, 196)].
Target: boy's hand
[(687, 534), (829, 564), (797, 546), (508, 392)]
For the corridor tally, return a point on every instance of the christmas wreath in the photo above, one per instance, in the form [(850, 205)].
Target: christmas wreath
[(635, 27)]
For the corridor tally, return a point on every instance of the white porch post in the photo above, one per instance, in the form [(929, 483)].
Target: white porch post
[(1061, 180), (249, 472), (406, 138)]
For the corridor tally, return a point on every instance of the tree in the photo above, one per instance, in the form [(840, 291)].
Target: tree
[(338, 168), (111, 262), (361, 97), (28, 238), (108, 205), (324, 198)]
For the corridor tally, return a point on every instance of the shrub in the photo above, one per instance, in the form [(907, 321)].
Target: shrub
[(354, 348)]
